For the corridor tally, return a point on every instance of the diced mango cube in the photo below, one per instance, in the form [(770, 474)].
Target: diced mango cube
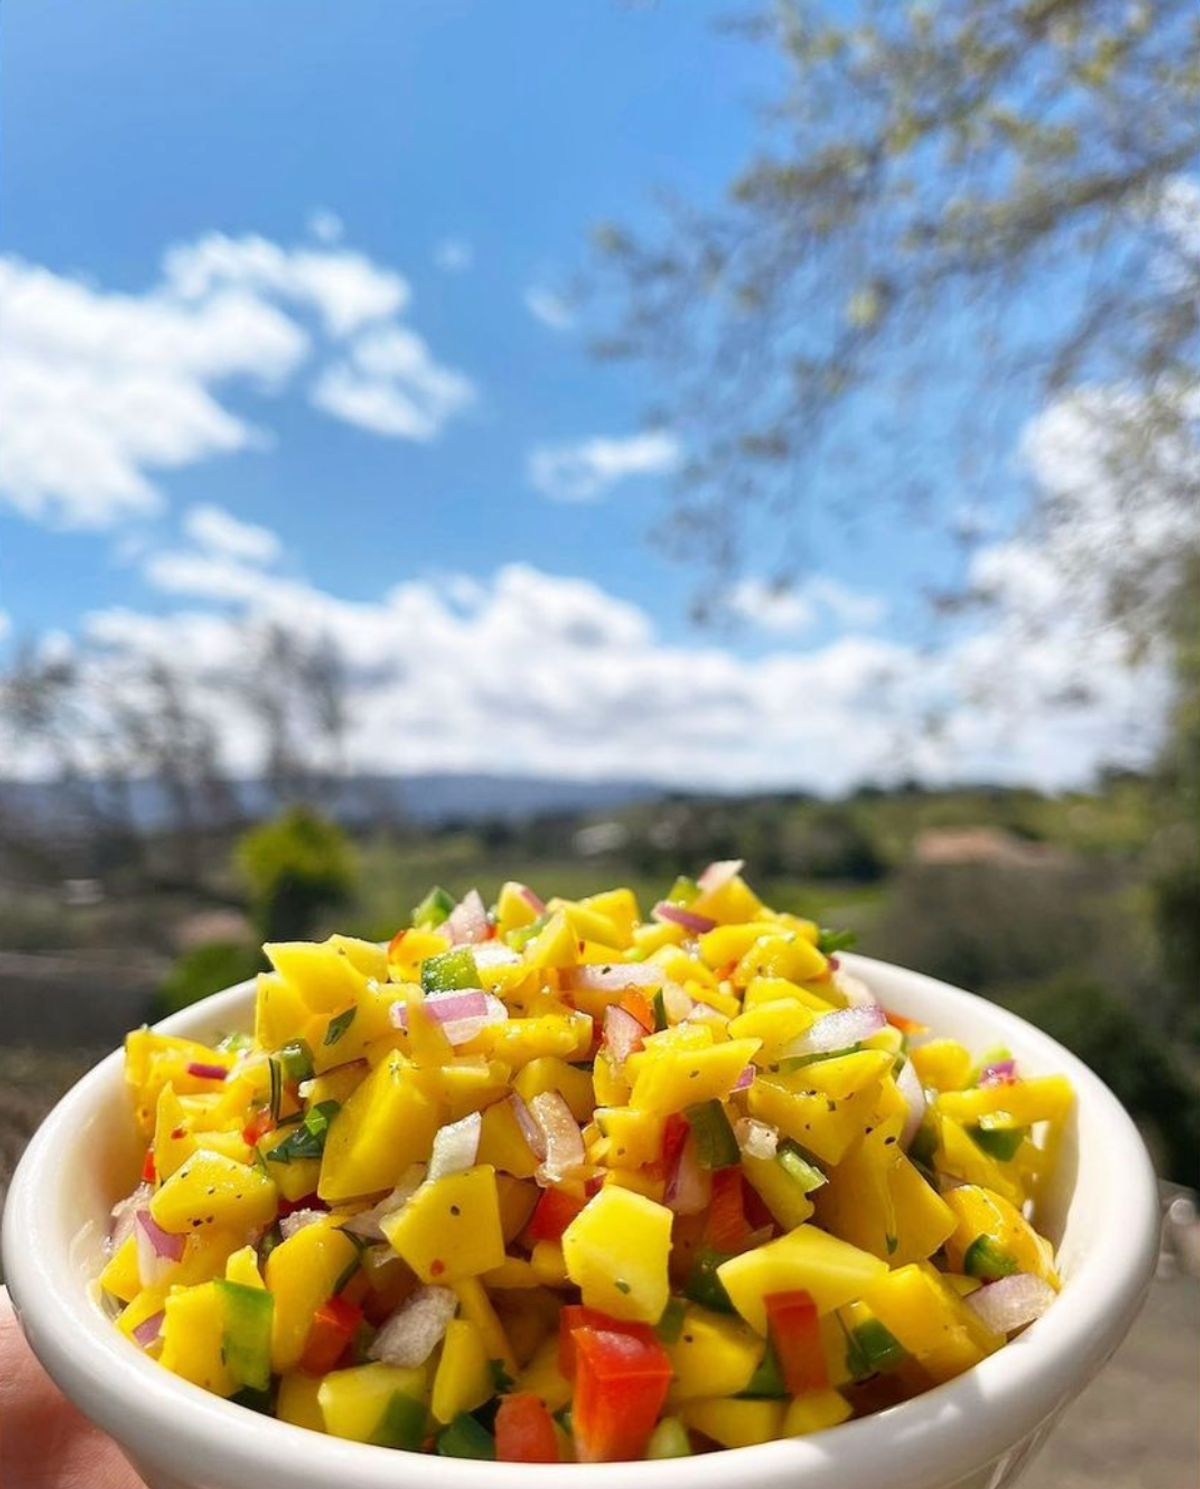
[(831, 1271), (450, 1228), (616, 1252)]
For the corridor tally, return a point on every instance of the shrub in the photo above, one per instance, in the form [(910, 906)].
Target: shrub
[(202, 970), (296, 866)]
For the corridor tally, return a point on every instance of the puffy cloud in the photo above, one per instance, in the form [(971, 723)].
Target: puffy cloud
[(221, 532), (549, 308), (585, 470), (791, 610), (104, 389), (454, 256)]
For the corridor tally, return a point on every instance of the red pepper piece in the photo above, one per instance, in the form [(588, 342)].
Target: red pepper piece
[(334, 1325), (621, 1381), (149, 1172), (637, 1005), (552, 1214), (524, 1430), (727, 1224), (796, 1335)]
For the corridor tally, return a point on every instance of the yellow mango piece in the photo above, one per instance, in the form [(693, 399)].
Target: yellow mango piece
[(548, 1073), (518, 1200), (735, 901), (670, 1077), (513, 910), (513, 1274), (814, 1412), (817, 1122), (549, 1264), (791, 957), (345, 1034), (616, 1252), (464, 1378), (280, 1013), (503, 1144), (566, 1034), (474, 1303), (728, 944), (943, 1064), (775, 989), (678, 966), (302, 1273), (923, 1219), (142, 1306), (193, 1338), (618, 905), (152, 1060), (242, 1267), (543, 1378), (120, 1277), (1040, 1098), (589, 924), (450, 1229), (650, 937), (931, 1321), (211, 1190), (555, 945), (324, 975), (297, 1401), (959, 1156), (832, 1271), (647, 1184), (634, 1138), (976, 1212), (293, 1180), (878, 1201), (367, 957), (338, 1084), (714, 1355), (734, 1423), (839, 1077), (353, 1402), (387, 1124), (780, 1193), (774, 1025)]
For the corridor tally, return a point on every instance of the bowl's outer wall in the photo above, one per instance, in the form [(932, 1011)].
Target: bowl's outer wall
[(979, 1430)]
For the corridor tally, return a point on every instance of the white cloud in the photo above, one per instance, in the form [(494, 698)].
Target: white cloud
[(585, 470), (786, 611), (104, 390), (391, 384), (222, 533), (549, 308), (453, 256), (5, 624)]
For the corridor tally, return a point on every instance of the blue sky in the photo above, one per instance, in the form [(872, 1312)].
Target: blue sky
[(363, 203)]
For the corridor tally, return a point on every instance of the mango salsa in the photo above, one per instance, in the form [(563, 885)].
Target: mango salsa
[(557, 1180)]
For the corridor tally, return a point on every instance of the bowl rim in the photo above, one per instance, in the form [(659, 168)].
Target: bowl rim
[(933, 1438)]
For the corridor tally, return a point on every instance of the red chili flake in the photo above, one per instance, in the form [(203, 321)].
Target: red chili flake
[(436, 1267), (178, 1132), (149, 1174)]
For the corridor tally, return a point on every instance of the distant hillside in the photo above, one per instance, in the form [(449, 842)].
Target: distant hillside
[(427, 799)]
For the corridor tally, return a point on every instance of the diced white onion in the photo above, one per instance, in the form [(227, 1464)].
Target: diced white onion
[(122, 1216), (688, 1189), (416, 1328), (467, 923), (837, 1031), (756, 1138), (298, 1220), (1012, 1302), (455, 1147), (615, 977), (855, 991), (622, 1033), (718, 874), (564, 1142), (366, 1222)]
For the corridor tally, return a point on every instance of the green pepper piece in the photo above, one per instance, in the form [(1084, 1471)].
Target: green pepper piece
[(669, 1440), (985, 1259), (767, 1379), (999, 1139), (449, 970), (670, 1324), (402, 1424), (703, 1286), (716, 1146), (295, 1060), (659, 1004), (466, 1438), (684, 891), (829, 942), (433, 909), (794, 1164), (246, 1342), (872, 1349)]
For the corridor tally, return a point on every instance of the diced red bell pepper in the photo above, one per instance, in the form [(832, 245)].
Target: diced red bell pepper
[(552, 1214), (572, 1316), (149, 1172), (637, 1005), (676, 1131), (727, 1223), (333, 1327), (621, 1380), (796, 1334), (525, 1430)]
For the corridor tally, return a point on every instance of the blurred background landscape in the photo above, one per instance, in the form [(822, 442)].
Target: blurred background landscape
[(576, 441)]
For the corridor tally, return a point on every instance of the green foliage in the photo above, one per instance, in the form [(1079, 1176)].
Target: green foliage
[(207, 969), (296, 866)]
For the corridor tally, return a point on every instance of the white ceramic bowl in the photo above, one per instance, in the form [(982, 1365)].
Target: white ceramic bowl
[(976, 1432)]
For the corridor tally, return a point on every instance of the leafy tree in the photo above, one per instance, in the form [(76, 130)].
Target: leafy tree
[(206, 969), (297, 866)]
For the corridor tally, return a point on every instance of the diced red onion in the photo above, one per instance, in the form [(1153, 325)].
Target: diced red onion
[(146, 1333), (755, 1138), (688, 919), (999, 1073), (534, 901), (689, 1187), (366, 1222), (122, 1215), (855, 991), (157, 1250), (622, 1033), (909, 1085), (206, 1072), (758, 1237), (411, 1334), (467, 923), (564, 1142), (837, 1031), (530, 1130), (297, 1220), (615, 977), (455, 1147), (461, 1013), (745, 1080), (718, 874), (1012, 1302)]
